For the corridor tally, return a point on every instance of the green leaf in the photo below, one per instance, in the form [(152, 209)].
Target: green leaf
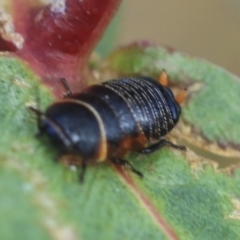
[(182, 195)]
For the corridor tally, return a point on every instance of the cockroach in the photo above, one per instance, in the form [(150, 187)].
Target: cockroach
[(107, 120)]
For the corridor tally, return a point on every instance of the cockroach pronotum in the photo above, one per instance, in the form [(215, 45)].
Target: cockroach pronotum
[(107, 120)]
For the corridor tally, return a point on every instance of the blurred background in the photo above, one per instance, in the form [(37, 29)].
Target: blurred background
[(203, 28)]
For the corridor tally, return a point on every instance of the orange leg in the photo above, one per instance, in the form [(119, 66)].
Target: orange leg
[(163, 78)]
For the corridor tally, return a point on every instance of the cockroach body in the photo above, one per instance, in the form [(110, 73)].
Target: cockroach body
[(107, 120)]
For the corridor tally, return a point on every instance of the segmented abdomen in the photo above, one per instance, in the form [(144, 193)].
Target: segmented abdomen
[(149, 108)]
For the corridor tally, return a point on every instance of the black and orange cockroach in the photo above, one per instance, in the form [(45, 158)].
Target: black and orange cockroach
[(107, 120)]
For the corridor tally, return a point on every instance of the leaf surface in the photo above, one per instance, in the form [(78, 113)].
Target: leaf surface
[(182, 194)]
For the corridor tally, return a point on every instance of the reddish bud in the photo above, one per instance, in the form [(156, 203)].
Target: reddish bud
[(59, 37)]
